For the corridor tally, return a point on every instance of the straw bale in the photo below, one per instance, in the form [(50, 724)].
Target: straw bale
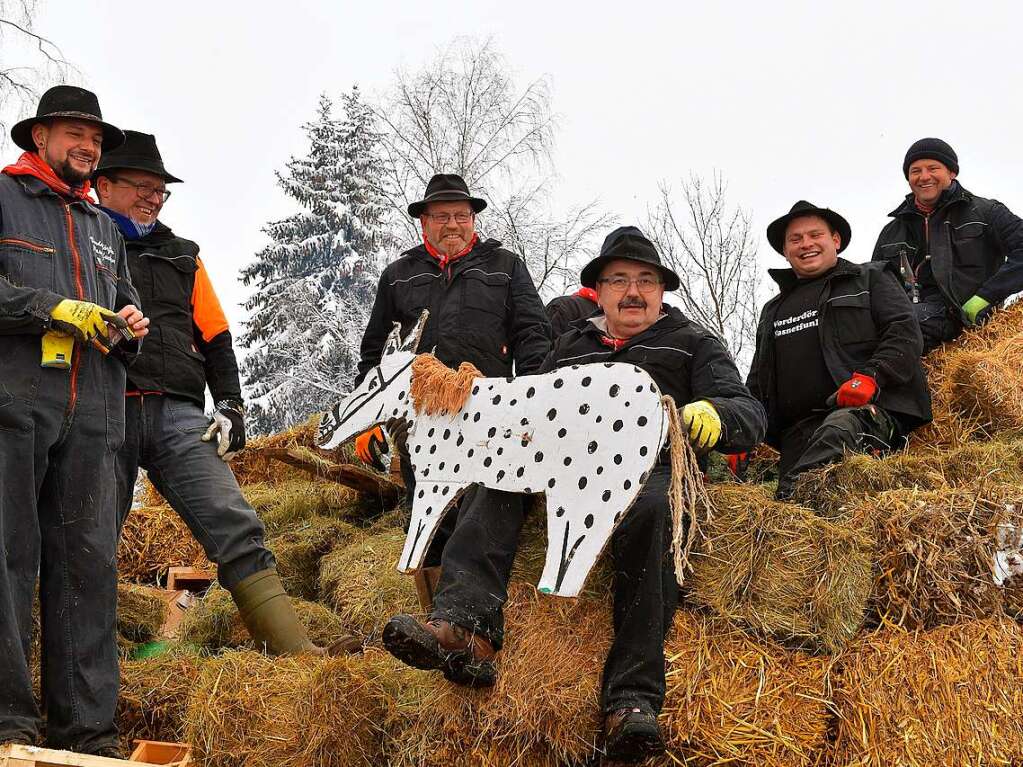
[(247, 710), (436, 388), (141, 612), (360, 581), (153, 696), (299, 551), (255, 463), (974, 382), (155, 539), (734, 700), (288, 504), (934, 553), (839, 485), (782, 570), (213, 623), (949, 696)]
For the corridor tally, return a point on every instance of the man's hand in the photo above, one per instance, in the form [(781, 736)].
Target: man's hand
[(229, 423), (84, 320), (371, 446), (858, 391), (703, 423), (138, 323), (976, 310)]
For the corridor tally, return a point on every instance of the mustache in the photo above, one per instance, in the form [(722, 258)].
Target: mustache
[(630, 303)]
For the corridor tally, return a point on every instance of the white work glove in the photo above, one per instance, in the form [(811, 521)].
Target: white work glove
[(229, 425)]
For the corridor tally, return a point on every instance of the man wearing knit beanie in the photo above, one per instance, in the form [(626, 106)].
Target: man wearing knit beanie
[(960, 255)]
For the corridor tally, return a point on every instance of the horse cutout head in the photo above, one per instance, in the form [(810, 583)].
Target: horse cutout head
[(585, 436), (382, 395)]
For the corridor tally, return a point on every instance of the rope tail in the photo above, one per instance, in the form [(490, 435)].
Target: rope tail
[(687, 493)]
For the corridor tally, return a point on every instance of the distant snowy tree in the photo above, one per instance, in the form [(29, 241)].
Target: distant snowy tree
[(316, 280)]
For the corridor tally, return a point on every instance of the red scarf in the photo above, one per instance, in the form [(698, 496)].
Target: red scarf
[(614, 343), (925, 209), (588, 293), (444, 258), (31, 164)]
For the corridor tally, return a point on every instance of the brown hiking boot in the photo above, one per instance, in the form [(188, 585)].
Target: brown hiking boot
[(631, 735), (465, 657)]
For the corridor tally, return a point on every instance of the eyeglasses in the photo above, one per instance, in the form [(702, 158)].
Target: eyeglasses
[(144, 190), (443, 218), (621, 284)]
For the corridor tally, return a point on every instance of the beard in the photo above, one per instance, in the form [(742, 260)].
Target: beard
[(67, 173)]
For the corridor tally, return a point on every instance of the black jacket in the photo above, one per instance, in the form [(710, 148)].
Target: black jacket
[(867, 325), (483, 307), (976, 245), (564, 310), (685, 360), (181, 354)]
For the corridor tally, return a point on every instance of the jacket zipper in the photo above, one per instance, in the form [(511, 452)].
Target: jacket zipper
[(76, 260), (27, 245)]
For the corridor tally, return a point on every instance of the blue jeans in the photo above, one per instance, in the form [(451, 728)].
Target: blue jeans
[(162, 435)]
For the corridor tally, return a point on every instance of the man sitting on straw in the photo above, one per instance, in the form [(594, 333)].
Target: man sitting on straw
[(465, 629), (959, 254), (484, 310), (837, 362)]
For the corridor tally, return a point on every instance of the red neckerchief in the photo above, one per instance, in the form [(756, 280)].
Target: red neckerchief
[(614, 343), (588, 293), (925, 209), (31, 164), (444, 258)]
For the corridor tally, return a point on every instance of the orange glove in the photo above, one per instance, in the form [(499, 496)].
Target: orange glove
[(370, 446), (737, 464)]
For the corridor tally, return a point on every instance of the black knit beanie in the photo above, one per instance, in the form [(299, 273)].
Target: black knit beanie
[(931, 149)]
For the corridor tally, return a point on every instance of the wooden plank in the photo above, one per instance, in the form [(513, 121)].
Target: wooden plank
[(13, 755), (193, 579), (348, 474)]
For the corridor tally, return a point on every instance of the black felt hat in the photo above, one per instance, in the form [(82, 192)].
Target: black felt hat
[(138, 152), (69, 103), (446, 187), (776, 229), (630, 243), (931, 149)]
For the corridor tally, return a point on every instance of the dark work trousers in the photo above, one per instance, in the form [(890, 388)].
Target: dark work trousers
[(162, 436), (58, 519), (825, 438), (477, 564), (939, 323)]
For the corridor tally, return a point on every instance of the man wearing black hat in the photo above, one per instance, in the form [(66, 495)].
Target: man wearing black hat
[(837, 361), (483, 306), (466, 629), (959, 255), (65, 296), (167, 431)]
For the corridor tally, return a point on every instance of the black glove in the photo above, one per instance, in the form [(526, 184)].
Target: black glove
[(229, 423)]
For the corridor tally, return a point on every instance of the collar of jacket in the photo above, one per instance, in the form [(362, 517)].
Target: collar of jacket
[(160, 235), (787, 279), (35, 187), (671, 319), (482, 248), (955, 193)]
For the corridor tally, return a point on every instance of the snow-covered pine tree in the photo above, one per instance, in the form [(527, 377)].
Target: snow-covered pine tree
[(315, 282)]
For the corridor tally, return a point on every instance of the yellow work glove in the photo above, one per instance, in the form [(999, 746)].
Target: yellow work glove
[(57, 350), (83, 320), (703, 423)]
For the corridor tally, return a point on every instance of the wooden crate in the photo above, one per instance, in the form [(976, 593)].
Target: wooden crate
[(191, 579), (13, 755), (158, 752)]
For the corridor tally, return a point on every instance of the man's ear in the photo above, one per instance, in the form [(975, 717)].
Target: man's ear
[(838, 240), (102, 187), (40, 132)]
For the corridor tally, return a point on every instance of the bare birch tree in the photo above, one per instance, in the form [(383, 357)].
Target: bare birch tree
[(711, 246), (29, 63), (464, 113)]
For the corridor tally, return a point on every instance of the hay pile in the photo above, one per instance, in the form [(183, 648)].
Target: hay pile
[(285, 505), (782, 570), (299, 550), (950, 696), (155, 539), (141, 612), (154, 693)]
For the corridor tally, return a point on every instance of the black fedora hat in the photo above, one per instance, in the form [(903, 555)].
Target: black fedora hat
[(138, 152), (446, 187), (70, 103), (776, 229), (630, 243)]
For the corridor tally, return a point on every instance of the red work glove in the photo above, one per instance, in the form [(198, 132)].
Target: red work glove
[(737, 464), (857, 391), (370, 446)]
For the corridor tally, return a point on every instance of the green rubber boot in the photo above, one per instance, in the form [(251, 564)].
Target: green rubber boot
[(268, 615)]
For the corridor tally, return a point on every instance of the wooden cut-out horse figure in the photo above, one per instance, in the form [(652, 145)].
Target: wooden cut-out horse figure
[(586, 436)]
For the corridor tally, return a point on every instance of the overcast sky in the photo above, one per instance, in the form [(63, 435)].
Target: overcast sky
[(788, 100)]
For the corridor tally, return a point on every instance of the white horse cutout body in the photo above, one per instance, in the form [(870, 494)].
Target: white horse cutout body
[(586, 436)]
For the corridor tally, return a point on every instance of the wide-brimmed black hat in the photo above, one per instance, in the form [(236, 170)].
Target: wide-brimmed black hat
[(138, 152), (446, 187), (69, 103), (629, 243), (776, 229)]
